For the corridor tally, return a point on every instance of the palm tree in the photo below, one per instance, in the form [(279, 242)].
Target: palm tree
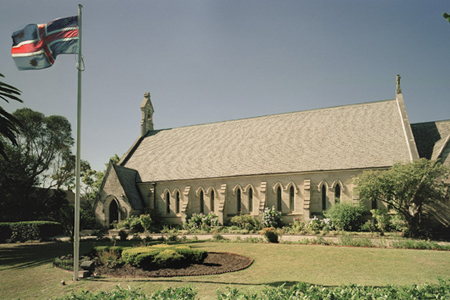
[(9, 125)]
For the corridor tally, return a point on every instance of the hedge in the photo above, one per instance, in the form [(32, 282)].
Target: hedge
[(162, 255), (31, 230)]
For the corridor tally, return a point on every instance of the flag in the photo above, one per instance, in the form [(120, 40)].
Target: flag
[(446, 16), (37, 45)]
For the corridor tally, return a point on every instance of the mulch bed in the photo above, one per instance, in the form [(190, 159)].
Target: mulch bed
[(215, 263)]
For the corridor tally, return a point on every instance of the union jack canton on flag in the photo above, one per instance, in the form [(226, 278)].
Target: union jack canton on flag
[(37, 45)]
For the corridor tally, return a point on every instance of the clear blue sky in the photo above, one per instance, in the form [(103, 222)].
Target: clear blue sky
[(209, 61)]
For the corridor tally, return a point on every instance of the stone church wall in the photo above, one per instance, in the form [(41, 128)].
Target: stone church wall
[(221, 195)]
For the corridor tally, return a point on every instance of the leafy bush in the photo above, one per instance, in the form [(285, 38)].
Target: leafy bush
[(271, 217), (149, 257), (194, 256), (97, 251), (146, 222), (246, 222), (302, 290), (133, 223), (168, 258), (129, 255), (201, 221), (271, 235), (382, 221), (183, 293), (346, 216), (31, 230), (145, 260)]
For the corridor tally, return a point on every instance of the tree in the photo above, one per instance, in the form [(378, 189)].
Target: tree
[(40, 140), (9, 125), (406, 188)]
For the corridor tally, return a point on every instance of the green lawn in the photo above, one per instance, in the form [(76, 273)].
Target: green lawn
[(26, 271)]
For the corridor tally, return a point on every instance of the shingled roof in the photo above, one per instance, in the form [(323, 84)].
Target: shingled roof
[(346, 137), (428, 134)]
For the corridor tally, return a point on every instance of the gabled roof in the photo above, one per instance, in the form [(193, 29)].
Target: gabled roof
[(355, 136), (128, 179), (428, 134)]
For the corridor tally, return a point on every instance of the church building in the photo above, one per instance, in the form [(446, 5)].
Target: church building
[(301, 163)]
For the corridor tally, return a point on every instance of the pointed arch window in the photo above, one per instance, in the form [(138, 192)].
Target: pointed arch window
[(292, 198), (238, 201), (324, 197), (337, 193), (113, 212), (167, 203), (202, 202), (212, 201), (250, 200), (178, 203), (279, 199)]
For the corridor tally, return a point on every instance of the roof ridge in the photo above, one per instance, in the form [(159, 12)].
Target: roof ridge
[(273, 115)]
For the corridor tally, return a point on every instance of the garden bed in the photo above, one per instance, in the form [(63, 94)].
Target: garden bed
[(215, 263)]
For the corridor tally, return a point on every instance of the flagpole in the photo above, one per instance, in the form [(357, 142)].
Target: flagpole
[(76, 230)]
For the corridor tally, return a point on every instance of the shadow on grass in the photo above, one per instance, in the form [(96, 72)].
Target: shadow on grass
[(287, 284), (20, 256), (28, 255)]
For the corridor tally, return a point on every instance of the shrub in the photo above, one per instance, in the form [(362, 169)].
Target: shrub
[(346, 216), (201, 221), (33, 230), (271, 217), (133, 223), (246, 222), (145, 260), (218, 237), (382, 221), (168, 258), (182, 293), (97, 251), (271, 235), (146, 222), (150, 258), (129, 255), (194, 256)]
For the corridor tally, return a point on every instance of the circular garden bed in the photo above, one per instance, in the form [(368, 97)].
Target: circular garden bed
[(158, 261)]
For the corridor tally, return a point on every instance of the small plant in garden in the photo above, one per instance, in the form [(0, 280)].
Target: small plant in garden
[(246, 222), (271, 234), (218, 237), (146, 222), (201, 221), (271, 217)]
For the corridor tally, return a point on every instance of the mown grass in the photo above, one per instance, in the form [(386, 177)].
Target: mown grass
[(26, 270)]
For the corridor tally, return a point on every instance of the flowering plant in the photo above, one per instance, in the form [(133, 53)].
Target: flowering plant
[(271, 217), (316, 224), (201, 221)]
